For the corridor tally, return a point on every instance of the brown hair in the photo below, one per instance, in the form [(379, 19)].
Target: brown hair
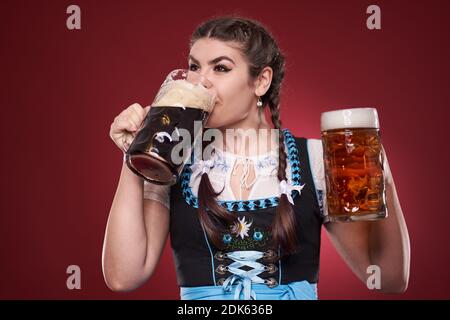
[(261, 50)]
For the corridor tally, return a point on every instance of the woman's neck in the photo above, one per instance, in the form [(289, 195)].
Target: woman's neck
[(250, 136)]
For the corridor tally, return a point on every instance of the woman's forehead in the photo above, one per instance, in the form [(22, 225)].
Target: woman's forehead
[(207, 49)]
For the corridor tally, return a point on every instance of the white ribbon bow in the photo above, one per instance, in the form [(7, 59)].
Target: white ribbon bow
[(201, 167), (287, 189)]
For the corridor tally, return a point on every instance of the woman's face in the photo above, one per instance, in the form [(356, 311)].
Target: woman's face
[(228, 70)]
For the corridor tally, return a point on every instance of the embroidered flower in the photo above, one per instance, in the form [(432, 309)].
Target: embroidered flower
[(241, 227), (267, 166), (221, 163), (226, 238), (258, 235), (267, 161)]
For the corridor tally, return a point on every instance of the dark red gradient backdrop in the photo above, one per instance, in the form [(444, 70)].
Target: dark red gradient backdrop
[(61, 90)]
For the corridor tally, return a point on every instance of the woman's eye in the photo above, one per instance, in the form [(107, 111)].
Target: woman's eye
[(221, 68), (218, 68), (193, 67)]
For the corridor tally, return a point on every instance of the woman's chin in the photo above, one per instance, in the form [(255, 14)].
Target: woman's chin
[(213, 123)]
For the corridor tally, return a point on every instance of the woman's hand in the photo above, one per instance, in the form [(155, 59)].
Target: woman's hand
[(125, 125)]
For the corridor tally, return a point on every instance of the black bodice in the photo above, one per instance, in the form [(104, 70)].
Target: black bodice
[(199, 263)]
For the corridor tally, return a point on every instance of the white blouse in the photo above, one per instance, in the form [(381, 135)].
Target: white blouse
[(264, 185)]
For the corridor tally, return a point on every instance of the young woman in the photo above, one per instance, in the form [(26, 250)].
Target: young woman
[(243, 225)]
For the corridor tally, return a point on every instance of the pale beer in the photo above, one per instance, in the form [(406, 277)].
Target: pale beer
[(353, 163)]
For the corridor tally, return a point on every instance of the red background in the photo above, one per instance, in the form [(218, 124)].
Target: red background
[(61, 90)]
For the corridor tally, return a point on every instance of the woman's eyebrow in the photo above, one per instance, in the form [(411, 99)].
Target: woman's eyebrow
[(214, 61)]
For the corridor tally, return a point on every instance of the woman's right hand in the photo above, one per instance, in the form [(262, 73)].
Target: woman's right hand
[(125, 125)]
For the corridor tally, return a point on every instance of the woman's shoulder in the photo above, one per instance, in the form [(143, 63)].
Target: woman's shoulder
[(315, 155), (314, 145), (315, 152)]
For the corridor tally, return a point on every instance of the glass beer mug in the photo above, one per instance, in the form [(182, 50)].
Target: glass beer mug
[(353, 164), (184, 99)]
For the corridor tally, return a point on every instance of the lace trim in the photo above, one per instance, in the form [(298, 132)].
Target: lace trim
[(249, 205)]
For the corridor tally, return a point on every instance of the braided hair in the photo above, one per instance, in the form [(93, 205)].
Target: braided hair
[(261, 50)]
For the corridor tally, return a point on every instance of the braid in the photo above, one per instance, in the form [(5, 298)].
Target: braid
[(282, 152), (214, 223), (283, 226)]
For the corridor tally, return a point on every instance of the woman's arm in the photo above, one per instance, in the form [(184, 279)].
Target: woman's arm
[(135, 235), (384, 243)]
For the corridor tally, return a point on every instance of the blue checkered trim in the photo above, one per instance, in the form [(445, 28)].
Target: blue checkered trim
[(249, 205)]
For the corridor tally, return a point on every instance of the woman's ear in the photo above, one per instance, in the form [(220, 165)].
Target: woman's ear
[(263, 81)]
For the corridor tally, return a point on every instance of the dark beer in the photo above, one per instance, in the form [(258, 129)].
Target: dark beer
[(182, 104), (353, 163), (150, 153)]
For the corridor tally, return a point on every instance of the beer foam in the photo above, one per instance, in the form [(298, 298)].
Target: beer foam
[(181, 93), (349, 118)]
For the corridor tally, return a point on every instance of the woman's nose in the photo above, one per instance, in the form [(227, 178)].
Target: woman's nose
[(206, 82), (197, 77), (201, 78)]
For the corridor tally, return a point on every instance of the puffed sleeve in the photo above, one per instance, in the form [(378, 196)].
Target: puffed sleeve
[(157, 192), (315, 153)]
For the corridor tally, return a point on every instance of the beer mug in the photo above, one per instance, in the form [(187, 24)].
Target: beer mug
[(184, 99), (353, 164)]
